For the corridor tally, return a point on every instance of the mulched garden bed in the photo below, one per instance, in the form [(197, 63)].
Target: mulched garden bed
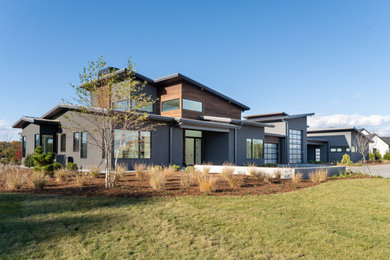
[(130, 186)]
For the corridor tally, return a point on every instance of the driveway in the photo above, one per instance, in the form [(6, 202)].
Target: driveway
[(380, 170)]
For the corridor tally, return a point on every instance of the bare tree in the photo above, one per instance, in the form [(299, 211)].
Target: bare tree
[(94, 97), (362, 144)]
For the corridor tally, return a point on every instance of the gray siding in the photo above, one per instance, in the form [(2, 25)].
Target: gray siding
[(300, 124), (30, 131), (242, 134)]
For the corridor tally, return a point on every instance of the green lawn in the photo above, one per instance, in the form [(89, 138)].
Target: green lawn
[(338, 219)]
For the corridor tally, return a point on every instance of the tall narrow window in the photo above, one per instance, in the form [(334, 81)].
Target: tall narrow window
[(63, 143), (295, 146), (84, 146), (76, 142), (36, 141), (318, 154), (23, 146), (249, 148), (47, 143)]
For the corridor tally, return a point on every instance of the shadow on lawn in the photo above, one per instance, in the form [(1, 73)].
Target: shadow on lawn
[(28, 220)]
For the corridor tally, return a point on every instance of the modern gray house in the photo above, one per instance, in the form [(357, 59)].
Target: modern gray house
[(196, 125), (330, 144), (286, 142)]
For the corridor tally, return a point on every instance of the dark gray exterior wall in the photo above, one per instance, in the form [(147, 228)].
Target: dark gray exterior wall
[(217, 147), (29, 131), (323, 152), (299, 124), (345, 139), (242, 134)]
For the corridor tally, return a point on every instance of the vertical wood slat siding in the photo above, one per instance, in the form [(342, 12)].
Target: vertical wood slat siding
[(169, 93)]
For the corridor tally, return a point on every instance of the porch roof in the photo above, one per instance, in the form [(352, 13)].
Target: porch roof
[(205, 125), (25, 120)]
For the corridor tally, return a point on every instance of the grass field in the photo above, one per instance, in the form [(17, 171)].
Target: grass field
[(335, 220)]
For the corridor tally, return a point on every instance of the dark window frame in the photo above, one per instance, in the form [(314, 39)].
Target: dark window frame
[(83, 150), (139, 133), (24, 145), (201, 111), (63, 143), (252, 150), (165, 101), (36, 144), (76, 143)]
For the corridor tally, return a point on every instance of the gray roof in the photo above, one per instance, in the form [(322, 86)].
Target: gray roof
[(275, 116), (386, 139), (25, 120), (329, 130), (235, 121)]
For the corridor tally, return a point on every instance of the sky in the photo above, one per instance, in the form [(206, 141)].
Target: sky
[(327, 57)]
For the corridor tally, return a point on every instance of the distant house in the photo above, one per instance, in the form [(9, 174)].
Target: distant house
[(378, 143), (330, 144)]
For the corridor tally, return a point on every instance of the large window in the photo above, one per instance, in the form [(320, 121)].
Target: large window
[(47, 143), (122, 105), (295, 146), (270, 153), (136, 144), (254, 148), (84, 145), (125, 105), (63, 143), (24, 146), (192, 105), (76, 142), (36, 141), (170, 105)]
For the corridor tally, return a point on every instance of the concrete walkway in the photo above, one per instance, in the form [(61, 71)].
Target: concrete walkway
[(379, 170)]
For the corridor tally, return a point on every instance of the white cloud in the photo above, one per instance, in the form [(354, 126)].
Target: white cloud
[(356, 95), (379, 123), (8, 133)]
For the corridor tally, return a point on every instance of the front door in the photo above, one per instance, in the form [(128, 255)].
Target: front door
[(193, 147)]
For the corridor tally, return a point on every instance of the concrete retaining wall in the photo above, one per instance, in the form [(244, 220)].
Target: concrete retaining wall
[(286, 172)]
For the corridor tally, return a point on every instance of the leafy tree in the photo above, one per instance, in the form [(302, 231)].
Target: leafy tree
[(92, 97)]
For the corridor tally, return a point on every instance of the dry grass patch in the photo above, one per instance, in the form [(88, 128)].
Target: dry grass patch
[(187, 179), (140, 170), (277, 176), (38, 180), (61, 176), (206, 183), (14, 178), (234, 181), (297, 178), (94, 171), (157, 178), (81, 179), (318, 176)]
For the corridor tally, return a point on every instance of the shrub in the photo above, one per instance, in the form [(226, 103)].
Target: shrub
[(94, 171), (39, 180), (60, 175), (28, 161), (386, 156), (371, 156), (157, 178), (346, 160), (48, 170), (38, 168), (297, 178), (206, 183), (70, 166), (57, 165), (139, 169), (190, 169), (41, 159), (253, 172), (377, 155), (235, 182), (81, 179), (14, 179), (175, 167), (4, 161)]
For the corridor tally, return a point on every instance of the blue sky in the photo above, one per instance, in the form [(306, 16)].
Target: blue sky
[(327, 57)]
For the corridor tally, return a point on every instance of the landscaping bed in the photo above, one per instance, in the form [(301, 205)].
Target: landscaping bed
[(131, 185)]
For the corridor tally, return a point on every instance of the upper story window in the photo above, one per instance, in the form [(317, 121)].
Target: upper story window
[(170, 105), (125, 105), (192, 105)]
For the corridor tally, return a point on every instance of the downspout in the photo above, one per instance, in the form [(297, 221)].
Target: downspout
[(170, 145), (287, 142)]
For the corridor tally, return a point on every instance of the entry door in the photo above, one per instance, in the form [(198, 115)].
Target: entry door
[(193, 150)]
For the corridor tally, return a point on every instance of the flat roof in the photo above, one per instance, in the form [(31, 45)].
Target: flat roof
[(275, 116), (329, 130)]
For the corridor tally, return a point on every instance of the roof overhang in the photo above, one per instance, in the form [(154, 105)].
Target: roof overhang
[(24, 121), (205, 125), (181, 77), (235, 121), (275, 117)]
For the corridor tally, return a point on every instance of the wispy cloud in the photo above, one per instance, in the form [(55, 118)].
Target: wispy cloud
[(356, 95), (381, 123), (7, 132)]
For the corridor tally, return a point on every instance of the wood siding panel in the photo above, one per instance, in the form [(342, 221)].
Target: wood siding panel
[(169, 93), (212, 105), (101, 98)]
